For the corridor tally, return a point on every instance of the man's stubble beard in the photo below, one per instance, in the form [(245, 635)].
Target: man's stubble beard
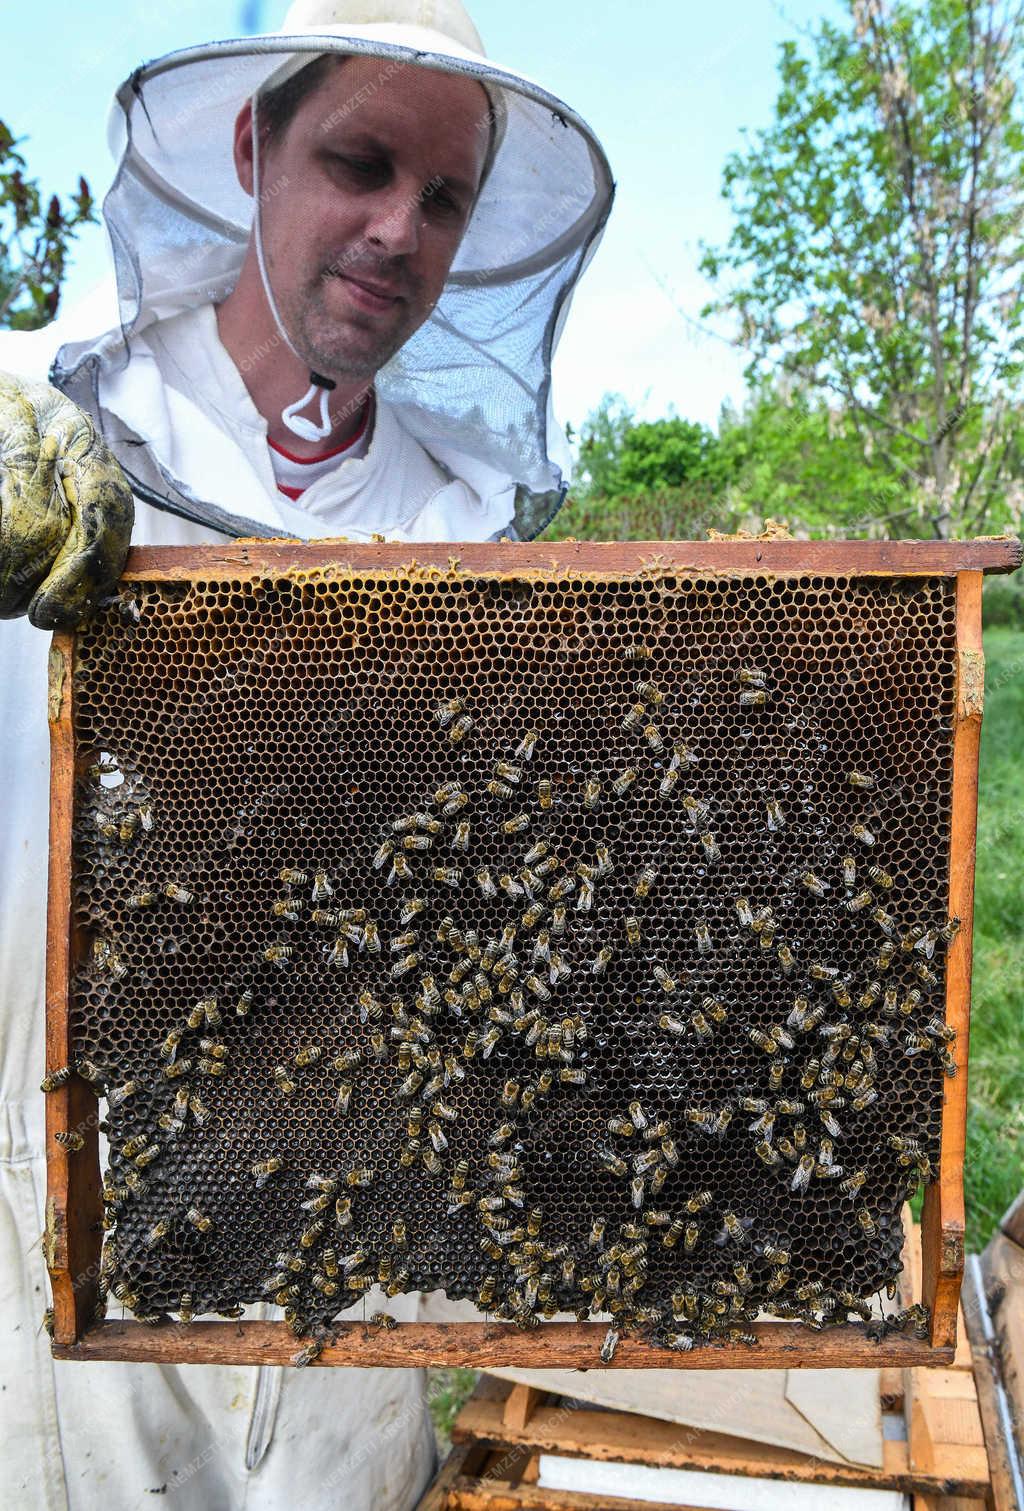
[(324, 337)]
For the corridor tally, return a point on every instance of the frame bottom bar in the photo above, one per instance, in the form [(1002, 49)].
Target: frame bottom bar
[(485, 1345)]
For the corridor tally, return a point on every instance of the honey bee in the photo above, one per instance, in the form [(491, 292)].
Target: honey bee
[(863, 834), (400, 870), (405, 966), (668, 783), (143, 900), (668, 984), (867, 1222), (612, 1163), (585, 900), (649, 691), (544, 793), (751, 676), (128, 828), (201, 1223), (653, 737), (601, 960), (119, 1094), (592, 793), (803, 1172), (841, 992), (448, 710), (703, 936), (179, 894), (753, 697), (853, 1183), (885, 955), (949, 930), (881, 878), (517, 824), (384, 1321), (56, 1078), (558, 920), (278, 954), (284, 1082), (869, 996), (786, 958), (460, 729), (417, 842), (198, 1108), (383, 854), (264, 1169), (624, 781), (72, 1142), (632, 927), (735, 1228), (939, 1029)]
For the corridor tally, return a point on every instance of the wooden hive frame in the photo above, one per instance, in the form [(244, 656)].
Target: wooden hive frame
[(74, 1211)]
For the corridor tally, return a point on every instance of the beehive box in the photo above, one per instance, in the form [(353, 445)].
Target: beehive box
[(577, 929)]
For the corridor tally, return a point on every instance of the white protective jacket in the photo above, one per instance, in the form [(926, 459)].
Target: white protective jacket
[(91, 1436)]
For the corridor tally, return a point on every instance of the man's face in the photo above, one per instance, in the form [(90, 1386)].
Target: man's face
[(365, 200)]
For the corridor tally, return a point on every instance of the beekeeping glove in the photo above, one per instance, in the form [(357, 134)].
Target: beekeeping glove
[(66, 510)]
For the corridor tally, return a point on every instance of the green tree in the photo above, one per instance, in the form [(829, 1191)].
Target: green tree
[(643, 480), (621, 455), (33, 241), (791, 455), (878, 245)]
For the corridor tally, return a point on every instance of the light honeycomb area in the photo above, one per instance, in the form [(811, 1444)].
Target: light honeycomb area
[(608, 973)]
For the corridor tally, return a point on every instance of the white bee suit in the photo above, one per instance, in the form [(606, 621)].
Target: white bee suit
[(464, 447)]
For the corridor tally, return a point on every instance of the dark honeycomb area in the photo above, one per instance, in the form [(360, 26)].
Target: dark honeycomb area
[(772, 991)]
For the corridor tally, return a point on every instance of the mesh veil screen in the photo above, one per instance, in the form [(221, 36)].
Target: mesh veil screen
[(746, 1033)]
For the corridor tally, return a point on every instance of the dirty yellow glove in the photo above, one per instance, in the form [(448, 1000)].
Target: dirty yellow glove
[(66, 510)]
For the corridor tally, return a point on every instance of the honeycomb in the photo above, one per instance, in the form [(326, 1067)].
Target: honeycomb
[(569, 944)]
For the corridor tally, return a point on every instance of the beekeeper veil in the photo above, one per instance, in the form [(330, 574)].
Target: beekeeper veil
[(475, 378)]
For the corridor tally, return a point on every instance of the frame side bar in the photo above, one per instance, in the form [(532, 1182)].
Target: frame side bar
[(942, 1218), (72, 1235), (907, 558)]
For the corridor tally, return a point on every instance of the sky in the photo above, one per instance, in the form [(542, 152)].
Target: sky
[(668, 85)]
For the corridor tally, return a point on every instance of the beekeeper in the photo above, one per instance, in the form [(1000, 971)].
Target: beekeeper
[(343, 255)]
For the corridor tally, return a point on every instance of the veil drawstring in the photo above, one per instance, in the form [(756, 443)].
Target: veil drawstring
[(306, 429)]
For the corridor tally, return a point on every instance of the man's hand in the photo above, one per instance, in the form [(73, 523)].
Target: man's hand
[(66, 510)]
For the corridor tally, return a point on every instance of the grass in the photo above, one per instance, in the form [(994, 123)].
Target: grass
[(995, 1125), (447, 1392)]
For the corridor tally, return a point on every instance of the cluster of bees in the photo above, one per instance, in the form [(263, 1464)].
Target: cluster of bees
[(452, 998)]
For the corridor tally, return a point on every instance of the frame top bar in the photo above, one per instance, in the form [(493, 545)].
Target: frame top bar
[(859, 558)]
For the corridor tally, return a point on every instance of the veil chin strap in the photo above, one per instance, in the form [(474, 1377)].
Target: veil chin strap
[(306, 429)]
